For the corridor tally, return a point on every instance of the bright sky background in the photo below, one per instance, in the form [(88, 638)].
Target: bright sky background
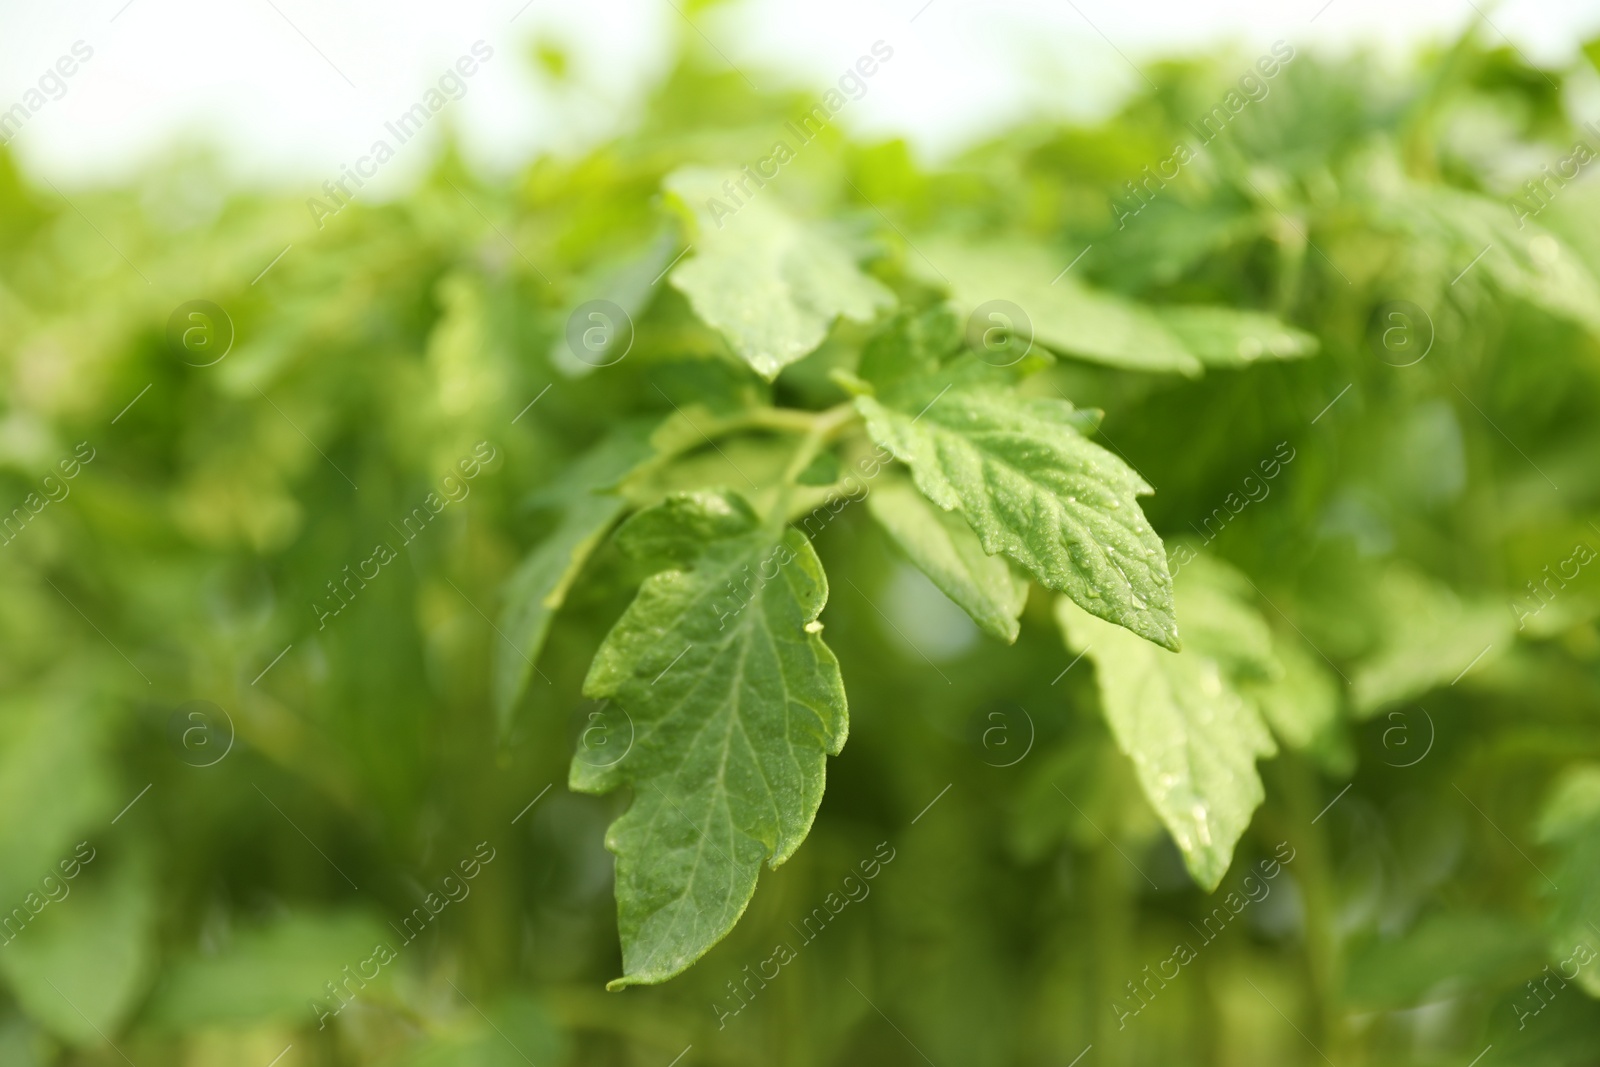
[(291, 89)]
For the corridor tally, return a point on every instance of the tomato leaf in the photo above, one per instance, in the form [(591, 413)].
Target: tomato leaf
[(1194, 736), (735, 703), (540, 584), (770, 283), (950, 554), (1029, 484), (1069, 317)]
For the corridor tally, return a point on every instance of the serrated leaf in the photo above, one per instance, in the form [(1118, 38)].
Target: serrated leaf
[(1069, 317), (950, 554), (916, 363), (735, 703), (910, 347), (1225, 337), (1033, 487), (538, 588), (1193, 736), (772, 284)]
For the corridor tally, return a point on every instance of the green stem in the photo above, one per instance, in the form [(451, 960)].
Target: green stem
[(1299, 781), (825, 427), (782, 420)]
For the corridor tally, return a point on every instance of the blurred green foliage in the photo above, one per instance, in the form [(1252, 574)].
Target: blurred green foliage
[(274, 767)]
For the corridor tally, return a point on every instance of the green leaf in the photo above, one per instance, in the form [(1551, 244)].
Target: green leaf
[(514, 1031), (1004, 461), (1430, 637), (1224, 337), (950, 554), (1446, 954), (772, 284), (49, 747), (695, 451), (1219, 621), (1446, 229), (630, 283), (1193, 736), (1302, 705), (1569, 824), (1573, 807), (1526, 262), (1293, 692), (79, 967), (539, 587), (910, 346), (1169, 240), (23, 1045), (1069, 317), (1031, 486), (735, 703), (276, 973)]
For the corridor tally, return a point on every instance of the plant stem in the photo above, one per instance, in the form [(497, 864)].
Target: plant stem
[(824, 427), (782, 420)]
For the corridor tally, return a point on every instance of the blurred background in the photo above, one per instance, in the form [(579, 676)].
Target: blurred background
[(286, 91), (254, 812)]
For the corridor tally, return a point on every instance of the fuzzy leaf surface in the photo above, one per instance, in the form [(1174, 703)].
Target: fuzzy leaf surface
[(1030, 485), (735, 703), (1194, 736), (945, 549), (770, 283)]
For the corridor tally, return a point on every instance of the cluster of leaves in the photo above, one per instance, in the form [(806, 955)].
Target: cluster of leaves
[(1163, 567)]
